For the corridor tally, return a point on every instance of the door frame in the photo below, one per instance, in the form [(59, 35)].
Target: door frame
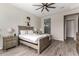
[(77, 15)]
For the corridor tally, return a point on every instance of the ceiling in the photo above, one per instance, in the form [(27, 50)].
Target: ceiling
[(59, 7)]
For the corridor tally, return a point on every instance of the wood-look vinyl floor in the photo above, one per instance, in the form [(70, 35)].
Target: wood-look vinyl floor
[(57, 48)]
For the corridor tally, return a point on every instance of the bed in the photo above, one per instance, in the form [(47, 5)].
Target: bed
[(36, 41)]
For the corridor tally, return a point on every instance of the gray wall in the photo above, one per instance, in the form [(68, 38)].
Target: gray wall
[(11, 17)]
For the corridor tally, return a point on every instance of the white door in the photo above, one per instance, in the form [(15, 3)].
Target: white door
[(70, 28)]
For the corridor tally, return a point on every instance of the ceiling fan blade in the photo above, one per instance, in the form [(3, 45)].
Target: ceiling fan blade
[(43, 3), (51, 7), (42, 9), (38, 8), (51, 4), (46, 3), (36, 5), (47, 9)]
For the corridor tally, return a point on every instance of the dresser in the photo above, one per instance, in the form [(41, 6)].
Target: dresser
[(77, 42), (9, 42)]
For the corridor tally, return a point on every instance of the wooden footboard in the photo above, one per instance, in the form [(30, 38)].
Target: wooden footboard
[(43, 44)]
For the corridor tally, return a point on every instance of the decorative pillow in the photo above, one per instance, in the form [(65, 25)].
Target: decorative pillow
[(23, 32), (30, 32)]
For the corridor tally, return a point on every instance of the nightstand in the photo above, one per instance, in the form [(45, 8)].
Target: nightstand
[(9, 42)]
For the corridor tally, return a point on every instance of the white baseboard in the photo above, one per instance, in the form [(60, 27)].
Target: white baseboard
[(59, 40)]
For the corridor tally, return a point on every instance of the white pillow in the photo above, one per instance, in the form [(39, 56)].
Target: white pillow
[(23, 32), (30, 32)]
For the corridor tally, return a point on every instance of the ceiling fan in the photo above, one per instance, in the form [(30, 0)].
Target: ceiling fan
[(45, 6)]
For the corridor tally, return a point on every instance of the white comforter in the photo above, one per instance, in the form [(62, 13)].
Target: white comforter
[(32, 37)]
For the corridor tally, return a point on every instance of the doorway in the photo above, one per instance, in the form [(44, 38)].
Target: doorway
[(71, 26), (70, 29)]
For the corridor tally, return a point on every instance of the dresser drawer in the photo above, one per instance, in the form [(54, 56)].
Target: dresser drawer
[(15, 42), (7, 45), (10, 39)]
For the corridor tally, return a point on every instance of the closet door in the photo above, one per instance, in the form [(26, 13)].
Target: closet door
[(47, 26), (70, 29)]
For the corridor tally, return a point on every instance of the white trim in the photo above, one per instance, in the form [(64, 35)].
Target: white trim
[(59, 39)]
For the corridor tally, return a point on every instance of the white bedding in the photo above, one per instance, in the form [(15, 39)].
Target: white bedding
[(32, 37)]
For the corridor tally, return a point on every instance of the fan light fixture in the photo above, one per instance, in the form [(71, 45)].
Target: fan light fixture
[(45, 6)]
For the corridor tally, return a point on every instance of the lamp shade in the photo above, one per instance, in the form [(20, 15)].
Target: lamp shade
[(10, 30), (35, 29)]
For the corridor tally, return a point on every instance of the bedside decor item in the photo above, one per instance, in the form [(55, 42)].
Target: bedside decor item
[(14, 34), (11, 31), (35, 30), (40, 31), (28, 22)]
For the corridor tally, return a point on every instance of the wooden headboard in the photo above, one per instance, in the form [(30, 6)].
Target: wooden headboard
[(24, 28)]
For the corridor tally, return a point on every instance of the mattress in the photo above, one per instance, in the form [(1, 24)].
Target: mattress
[(33, 38)]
